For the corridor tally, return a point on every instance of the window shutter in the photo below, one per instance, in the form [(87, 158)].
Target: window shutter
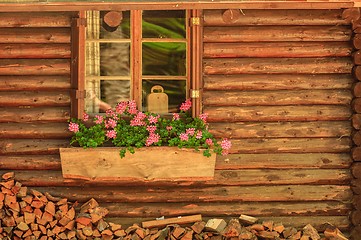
[(78, 65)]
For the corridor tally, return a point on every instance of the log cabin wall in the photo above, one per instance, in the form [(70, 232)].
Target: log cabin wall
[(278, 83)]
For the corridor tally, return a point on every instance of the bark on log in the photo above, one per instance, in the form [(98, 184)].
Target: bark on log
[(20, 115), (356, 138), (35, 67), (29, 162), (356, 153), (38, 99), (351, 14), (278, 82), (35, 50), (281, 98), (356, 105), (281, 129), (356, 121), (357, 41), (34, 130), (278, 49), (277, 17), (34, 146), (356, 70), (35, 19), (356, 170), (37, 35), (356, 89), (277, 34), (285, 161), (278, 65), (30, 83), (291, 145), (357, 57), (286, 113)]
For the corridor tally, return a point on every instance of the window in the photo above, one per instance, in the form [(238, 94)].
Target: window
[(131, 54)]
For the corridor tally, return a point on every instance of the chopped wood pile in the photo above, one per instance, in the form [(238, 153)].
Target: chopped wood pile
[(30, 214)]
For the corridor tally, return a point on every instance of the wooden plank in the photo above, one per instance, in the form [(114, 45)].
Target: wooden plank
[(277, 49), (34, 67), (208, 194), (34, 130), (285, 161), (278, 82), (137, 210), (276, 113), (278, 97), (277, 33), (31, 146), (291, 145), (52, 114), (284, 17), (177, 220), (35, 50), (14, 99), (277, 65), (30, 162), (281, 129), (29, 83), (43, 19), (37, 35)]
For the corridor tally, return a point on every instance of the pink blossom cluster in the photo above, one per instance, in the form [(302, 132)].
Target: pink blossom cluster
[(152, 138), (132, 107), (121, 107), (73, 127), (203, 117), (138, 119), (111, 134), (226, 145), (176, 116), (85, 117), (186, 105), (98, 119), (153, 119), (110, 123)]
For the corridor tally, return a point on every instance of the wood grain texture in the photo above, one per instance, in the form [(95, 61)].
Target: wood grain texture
[(30, 114), (30, 83), (34, 98), (35, 67), (35, 19), (36, 35), (34, 50), (34, 130), (31, 146), (30, 162)]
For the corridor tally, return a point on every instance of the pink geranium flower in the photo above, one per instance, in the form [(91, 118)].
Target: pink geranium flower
[(175, 116), (73, 127), (111, 134), (183, 137), (85, 117), (153, 138), (98, 119), (186, 105)]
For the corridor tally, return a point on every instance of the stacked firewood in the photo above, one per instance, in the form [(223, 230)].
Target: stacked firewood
[(30, 214)]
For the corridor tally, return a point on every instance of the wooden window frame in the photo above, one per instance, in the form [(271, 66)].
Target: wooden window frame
[(193, 64)]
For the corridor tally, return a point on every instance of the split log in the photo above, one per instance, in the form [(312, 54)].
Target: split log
[(277, 34), (34, 130), (178, 220), (279, 129), (35, 67), (231, 15), (38, 35), (275, 113), (278, 82), (272, 98), (29, 83), (276, 49), (35, 99), (351, 14), (277, 17), (20, 115), (35, 146), (113, 19), (277, 65), (34, 50), (35, 19)]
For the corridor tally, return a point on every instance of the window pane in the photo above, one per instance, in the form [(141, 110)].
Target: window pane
[(115, 91), (164, 58), (175, 89), (164, 24), (114, 59)]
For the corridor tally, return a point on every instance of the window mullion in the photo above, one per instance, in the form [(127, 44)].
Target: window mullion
[(136, 56)]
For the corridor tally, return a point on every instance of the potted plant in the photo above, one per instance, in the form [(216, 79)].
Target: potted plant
[(137, 137)]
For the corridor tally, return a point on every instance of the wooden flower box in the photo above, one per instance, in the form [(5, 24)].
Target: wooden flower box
[(148, 163)]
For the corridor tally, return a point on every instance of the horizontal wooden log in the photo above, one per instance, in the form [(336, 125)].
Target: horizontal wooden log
[(249, 177), (279, 97), (277, 65), (258, 209), (277, 17), (31, 146), (278, 82), (276, 113), (34, 130), (351, 14), (284, 161), (318, 222), (14, 99), (35, 35), (30, 162), (31, 83), (20, 115), (209, 194), (34, 50), (291, 145), (34, 67), (281, 129), (277, 33), (278, 49), (35, 19)]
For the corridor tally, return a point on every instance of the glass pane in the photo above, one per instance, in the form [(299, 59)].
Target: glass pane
[(164, 24), (113, 92), (175, 89), (120, 32), (164, 58), (114, 59)]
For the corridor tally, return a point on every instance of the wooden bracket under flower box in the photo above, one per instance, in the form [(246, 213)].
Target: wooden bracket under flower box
[(148, 163)]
